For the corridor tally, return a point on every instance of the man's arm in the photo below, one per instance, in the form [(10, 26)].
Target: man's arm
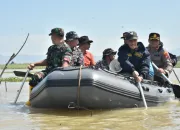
[(67, 58), (145, 64), (124, 61), (41, 63)]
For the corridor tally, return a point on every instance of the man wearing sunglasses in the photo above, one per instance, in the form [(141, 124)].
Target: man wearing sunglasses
[(134, 57), (108, 56), (84, 45), (159, 56)]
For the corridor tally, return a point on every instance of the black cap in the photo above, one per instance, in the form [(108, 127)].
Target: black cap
[(124, 35), (132, 35), (71, 36), (84, 40), (57, 31), (154, 36), (109, 51)]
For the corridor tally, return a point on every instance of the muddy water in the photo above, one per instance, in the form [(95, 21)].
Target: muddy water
[(19, 116)]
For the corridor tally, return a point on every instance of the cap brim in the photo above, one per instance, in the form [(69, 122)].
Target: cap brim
[(50, 34), (155, 39), (114, 52), (89, 41), (122, 37), (133, 38), (72, 39)]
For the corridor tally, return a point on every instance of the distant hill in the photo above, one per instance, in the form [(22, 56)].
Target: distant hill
[(29, 58)]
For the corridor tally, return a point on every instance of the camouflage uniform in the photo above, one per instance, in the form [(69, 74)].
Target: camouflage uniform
[(102, 64), (56, 55), (77, 58)]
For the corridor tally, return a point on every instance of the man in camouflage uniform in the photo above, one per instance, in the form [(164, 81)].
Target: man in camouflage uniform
[(58, 55), (84, 45), (108, 56), (159, 56), (72, 41)]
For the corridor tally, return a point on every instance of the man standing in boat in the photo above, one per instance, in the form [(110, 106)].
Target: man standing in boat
[(108, 56), (84, 45), (159, 56), (134, 57)]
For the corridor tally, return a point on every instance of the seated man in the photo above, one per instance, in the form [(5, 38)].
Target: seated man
[(108, 56), (58, 55), (72, 41), (159, 56), (134, 57), (84, 45)]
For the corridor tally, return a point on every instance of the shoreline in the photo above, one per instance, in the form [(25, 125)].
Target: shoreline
[(24, 66)]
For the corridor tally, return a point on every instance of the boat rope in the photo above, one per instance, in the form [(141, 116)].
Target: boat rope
[(73, 105), (79, 85)]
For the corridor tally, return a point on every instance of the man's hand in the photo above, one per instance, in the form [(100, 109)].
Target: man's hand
[(65, 64), (135, 74), (31, 66), (161, 70), (139, 79)]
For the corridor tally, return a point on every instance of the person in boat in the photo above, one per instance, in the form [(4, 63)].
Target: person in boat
[(159, 56), (84, 45), (134, 58), (108, 56), (59, 54), (151, 70), (72, 40)]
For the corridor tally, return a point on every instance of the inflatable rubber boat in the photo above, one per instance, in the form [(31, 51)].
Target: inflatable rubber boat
[(95, 89)]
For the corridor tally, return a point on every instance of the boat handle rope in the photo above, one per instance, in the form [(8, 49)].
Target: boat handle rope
[(79, 86), (73, 105)]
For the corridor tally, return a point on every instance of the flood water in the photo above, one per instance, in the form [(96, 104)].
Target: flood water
[(21, 117)]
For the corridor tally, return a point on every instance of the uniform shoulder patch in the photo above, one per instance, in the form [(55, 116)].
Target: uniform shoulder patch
[(137, 54), (129, 54), (166, 55)]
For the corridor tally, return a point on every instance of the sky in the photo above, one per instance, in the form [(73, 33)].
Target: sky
[(103, 21)]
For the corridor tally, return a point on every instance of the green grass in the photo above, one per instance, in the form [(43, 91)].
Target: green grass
[(178, 65), (20, 66), (13, 79)]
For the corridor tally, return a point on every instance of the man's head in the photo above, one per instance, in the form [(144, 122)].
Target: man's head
[(72, 39), (124, 37), (154, 40), (109, 54), (131, 39), (57, 34), (85, 42)]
